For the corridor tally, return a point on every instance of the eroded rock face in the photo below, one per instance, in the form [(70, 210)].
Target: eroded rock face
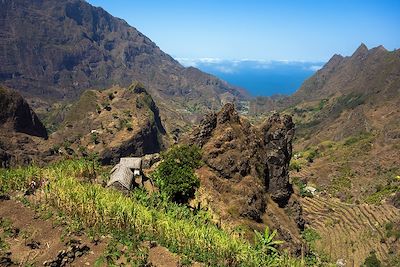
[(20, 131), (278, 133), (16, 115), (244, 163)]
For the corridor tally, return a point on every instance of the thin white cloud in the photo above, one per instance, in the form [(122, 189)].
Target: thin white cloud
[(315, 67), (210, 60), (225, 69), (231, 65), (188, 62)]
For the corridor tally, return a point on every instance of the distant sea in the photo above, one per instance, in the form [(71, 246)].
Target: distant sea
[(259, 78)]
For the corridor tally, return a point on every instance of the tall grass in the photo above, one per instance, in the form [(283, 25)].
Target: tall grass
[(172, 225)]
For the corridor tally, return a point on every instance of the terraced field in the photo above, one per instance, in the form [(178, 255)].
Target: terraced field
[(349, 231)]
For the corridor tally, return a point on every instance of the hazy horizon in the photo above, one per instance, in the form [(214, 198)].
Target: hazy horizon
[(262, 30), (258, 77)]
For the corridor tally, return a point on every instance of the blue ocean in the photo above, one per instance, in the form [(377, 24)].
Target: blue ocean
[(260, 78)]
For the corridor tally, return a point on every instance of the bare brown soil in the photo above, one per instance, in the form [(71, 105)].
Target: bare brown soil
[(35, 240), (45, 234)]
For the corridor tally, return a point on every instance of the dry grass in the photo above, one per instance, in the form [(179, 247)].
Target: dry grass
[(349, 231)]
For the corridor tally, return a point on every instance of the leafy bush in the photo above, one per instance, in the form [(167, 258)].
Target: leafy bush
[(381, 194), (372, 261), (175, 175), (295, 165), (302, 188), (310, 154), (392, 230), (310, 236), (94, 138)]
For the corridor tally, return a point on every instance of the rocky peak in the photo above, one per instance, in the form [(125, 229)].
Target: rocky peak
[(361, 52), (21, 131), (379, 50), (228, 114), (16, 115), (334, 61), (254, 160)]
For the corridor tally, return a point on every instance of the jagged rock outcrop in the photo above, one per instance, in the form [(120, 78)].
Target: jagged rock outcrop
[(113, 123), (245, 163), (16, 115), (245, 177), (278, 133), (20, 130)]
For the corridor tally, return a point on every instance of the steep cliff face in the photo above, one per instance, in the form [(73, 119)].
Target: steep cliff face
[(278, 133), (114, 123), (16, 115), (56, 49), (20, 130), (245, 177), (244, 162)]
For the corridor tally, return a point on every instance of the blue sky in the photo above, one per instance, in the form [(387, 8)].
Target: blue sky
[(302, 30)]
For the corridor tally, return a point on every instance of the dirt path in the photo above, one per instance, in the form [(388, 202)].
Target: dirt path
[(34, 240)]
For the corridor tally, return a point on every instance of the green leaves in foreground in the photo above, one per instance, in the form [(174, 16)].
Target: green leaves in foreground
[(265, 242)]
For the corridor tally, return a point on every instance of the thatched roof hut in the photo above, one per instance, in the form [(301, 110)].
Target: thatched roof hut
[(131, 163), (122, 175)]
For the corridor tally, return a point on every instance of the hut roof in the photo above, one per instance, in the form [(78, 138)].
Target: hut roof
[(131, 163), (123, 175)]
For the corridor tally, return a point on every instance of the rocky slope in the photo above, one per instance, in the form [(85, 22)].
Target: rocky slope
[(346, 148), (371, 73), (245, 176), (16, 115), (20, 129), (113, 123), (348, 125), (54, 50)]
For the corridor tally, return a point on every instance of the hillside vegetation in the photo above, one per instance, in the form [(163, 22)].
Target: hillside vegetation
[(70, 191)]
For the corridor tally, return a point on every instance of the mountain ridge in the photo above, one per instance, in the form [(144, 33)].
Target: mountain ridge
[(341, 75), (54, 50)]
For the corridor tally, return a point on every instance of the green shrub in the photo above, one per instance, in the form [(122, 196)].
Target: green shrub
[(295, 165), (310, 154), (265, 242), (310, 236), (94, 138), (372, 261), (175, 175)]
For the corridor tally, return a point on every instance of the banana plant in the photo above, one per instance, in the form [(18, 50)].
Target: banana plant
[(265, 242)]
